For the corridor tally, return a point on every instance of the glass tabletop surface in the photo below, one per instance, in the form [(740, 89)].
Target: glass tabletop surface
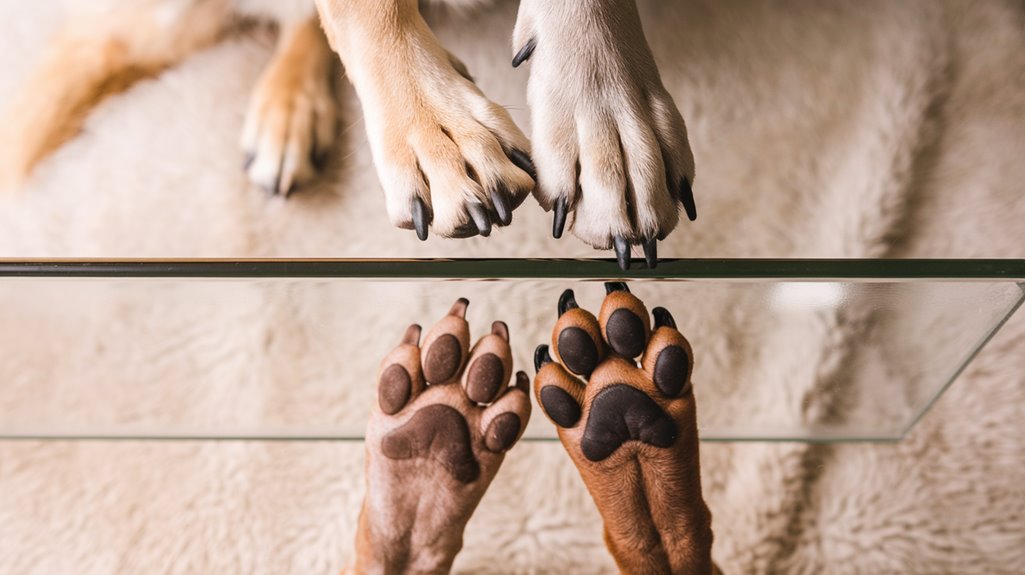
[(799, 350)]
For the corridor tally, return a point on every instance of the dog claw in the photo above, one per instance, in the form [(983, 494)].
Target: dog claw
[(522, 382), (458, 309), (500, 329), (622, 248), (567, 301), (687, 199), (412, 335), (501, 207), (541, 357), (663, 318), (651, 253), (525, 53), (248, 160), (615, 286), (559, 223), (480, 218), (420, 218), (522, 160)]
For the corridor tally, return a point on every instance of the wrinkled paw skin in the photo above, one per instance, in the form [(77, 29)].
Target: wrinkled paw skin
[(610, 146), (618, 388), (291, 123), (444, 418)]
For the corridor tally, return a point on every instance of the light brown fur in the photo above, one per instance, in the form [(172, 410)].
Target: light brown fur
[(93, 57)]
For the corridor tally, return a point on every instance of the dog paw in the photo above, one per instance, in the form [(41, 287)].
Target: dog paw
[(610, 146), (445, 417), (631, 429), (446, 404), (291, 122), (448, 158)]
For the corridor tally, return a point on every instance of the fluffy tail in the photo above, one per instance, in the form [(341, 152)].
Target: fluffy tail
[(93, 59)]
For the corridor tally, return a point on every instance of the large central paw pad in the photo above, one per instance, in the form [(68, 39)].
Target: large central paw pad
[(447, 404), (622, 402)]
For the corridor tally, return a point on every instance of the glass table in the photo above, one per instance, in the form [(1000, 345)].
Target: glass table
[(818, 350)]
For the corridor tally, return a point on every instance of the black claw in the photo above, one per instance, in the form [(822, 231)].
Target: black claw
[(615, 286), (663, 318), (420, 218), (567, 301), (525, 52), (522, 161), (480, 218), (248, 161), (687, 198), (559, 223), (622, 248), (542, 357), (651, 253), (501, 207)]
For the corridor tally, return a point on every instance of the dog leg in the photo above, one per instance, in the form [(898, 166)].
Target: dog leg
[(611, 147), (292, 118), (94, 56), (446, 155), (631, 430), (445, 417)]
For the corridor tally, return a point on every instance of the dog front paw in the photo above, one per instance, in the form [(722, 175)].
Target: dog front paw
[(448, 158), (610, 145), (292, 121)]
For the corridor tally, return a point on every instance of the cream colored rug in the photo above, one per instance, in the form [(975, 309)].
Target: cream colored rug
[(820, 129)]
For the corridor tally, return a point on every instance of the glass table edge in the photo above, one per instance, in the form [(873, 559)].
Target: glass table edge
[(524, 269), (309, 438), (1012, 309)]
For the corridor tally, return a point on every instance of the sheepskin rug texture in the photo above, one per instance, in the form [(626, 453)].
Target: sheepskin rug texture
[(821, 129)]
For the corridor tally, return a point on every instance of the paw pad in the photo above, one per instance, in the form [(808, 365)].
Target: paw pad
[(622, 401), (428, 417)]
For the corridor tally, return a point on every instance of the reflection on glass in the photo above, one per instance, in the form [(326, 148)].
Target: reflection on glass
[(297, 358)]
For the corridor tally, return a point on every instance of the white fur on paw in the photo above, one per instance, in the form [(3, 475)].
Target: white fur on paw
[(290, 125), (608, 139)]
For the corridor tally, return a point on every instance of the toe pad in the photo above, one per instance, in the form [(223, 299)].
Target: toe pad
[(560, 406)]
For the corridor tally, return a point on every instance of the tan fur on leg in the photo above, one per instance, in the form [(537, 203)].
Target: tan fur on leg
[(292, 117)]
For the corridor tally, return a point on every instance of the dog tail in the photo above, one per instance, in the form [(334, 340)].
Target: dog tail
[(79, 71)]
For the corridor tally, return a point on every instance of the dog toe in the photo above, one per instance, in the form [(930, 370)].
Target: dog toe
[(503, 422), (401, 378), (624, 321), (445, 347), (576, 338), (489, 367)]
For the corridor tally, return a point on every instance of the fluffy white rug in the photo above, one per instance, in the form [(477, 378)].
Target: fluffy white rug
[(821, 129)]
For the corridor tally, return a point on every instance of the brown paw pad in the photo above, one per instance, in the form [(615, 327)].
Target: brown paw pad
[(443, 359), (560, 406), (485, 377), (438, 432), (577, 350), (625, 333), (672, 371), (622, 413), (394, 389), (502, 432)]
